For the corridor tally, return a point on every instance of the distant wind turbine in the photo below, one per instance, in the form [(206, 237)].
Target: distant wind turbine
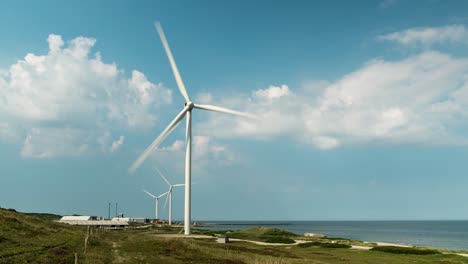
[(186, 111), (169, 194), (157, 201)]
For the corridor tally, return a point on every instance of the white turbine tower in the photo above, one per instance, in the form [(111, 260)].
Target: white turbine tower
[(186, 111), (156, 198), (169, 194)]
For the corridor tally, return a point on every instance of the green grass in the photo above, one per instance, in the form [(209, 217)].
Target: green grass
[(281, 240), (406, 250), (264, 234), (32, 238)]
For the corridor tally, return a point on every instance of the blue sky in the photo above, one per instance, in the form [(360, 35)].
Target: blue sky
[(363, 107)]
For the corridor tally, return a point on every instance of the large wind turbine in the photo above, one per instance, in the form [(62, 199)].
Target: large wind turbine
[(156, 198), (186, 112), (169, 194)]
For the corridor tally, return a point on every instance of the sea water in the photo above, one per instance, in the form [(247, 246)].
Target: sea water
[(437, 234)]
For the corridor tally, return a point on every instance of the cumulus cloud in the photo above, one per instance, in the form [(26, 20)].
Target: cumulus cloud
[(73, 93), (429, 35), (420, 99), (272, 93)]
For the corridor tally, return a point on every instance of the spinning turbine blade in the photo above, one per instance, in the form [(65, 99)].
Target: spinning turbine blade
[(162, 195), (224, 110), (162, 175), (176, 185), (178, 79), (150, 194), (158, 140), (167, 197)]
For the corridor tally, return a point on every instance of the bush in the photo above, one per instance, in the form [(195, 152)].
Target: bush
[(309, 244), (278, 232), (334, 245), (323, 245), (283, 240), (406, 250)]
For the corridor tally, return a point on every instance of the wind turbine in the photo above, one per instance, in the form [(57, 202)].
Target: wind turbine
[(169, 194), (186, 112), (157, 201)]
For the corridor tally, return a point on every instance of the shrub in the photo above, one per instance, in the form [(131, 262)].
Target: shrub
[(278, 232), (309, 244), (283, 240), (406, 250), (334, 245)]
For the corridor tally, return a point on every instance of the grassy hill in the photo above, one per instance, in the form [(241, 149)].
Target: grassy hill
[(35, 238)]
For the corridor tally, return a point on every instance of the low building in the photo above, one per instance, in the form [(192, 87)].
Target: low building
[(121, 219), (78, 218), (139, 220), (96, 223), (222, 239)]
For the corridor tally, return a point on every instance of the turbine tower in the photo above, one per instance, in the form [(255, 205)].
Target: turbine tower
[(186, 112), (157, 201), (169, 194)]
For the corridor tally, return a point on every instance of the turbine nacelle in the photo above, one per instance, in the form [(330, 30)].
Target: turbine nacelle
[(189, 105)]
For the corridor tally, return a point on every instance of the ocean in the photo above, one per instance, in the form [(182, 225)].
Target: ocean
[(437, 234)]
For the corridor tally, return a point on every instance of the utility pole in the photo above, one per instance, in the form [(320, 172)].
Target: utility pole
[(108, 216), (116, 209)]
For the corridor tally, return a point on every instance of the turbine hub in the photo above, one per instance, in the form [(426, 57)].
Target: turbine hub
[(189, 104)]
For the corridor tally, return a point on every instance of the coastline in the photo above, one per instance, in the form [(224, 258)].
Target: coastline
[(447, 235)]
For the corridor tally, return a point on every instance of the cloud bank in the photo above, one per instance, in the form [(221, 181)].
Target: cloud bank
[(419, 100), (66, 102)]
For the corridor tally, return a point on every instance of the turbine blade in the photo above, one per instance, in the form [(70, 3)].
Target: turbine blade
[(162, 175), (150, 194), (178, 79), (162, 195), (224, 110), (176, 185), (158, 140), (167, 197)]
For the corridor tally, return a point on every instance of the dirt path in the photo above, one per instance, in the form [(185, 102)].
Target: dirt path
[(182, 236), (281, 244), (230, 239), (117, 257), (360, 247), (268, 244)]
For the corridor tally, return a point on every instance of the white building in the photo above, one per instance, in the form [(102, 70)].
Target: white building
[(121, 219), (95, 221), (78, 218)]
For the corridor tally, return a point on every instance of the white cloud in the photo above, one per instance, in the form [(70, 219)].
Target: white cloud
[(429, 35), (272, 93), (421, 99), (69, 90), (116, 144), (204, 98), (207, 154), (325, 142), (53, 142)]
